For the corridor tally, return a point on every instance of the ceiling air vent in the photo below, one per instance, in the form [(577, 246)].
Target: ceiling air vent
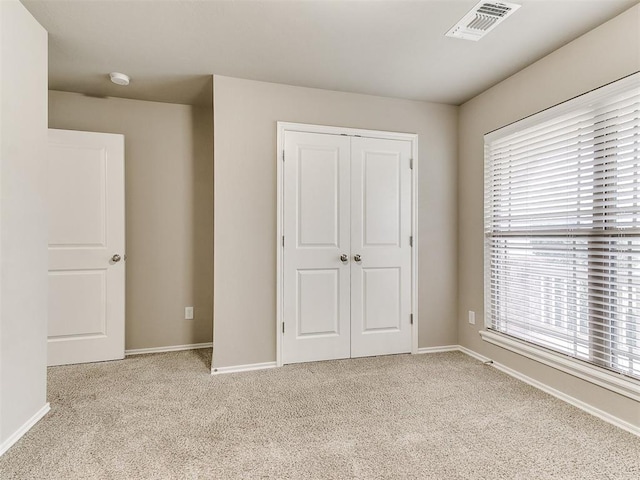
[(482, 18)]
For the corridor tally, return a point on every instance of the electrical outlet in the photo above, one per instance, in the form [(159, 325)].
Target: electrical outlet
[(472, 317), (188, 313)]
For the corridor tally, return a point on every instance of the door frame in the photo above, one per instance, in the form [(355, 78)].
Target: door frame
[(282, 128)]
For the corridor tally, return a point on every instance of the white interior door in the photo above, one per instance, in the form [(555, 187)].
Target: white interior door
[(380, 246), (347, 278), (316, 299), (86, 247)]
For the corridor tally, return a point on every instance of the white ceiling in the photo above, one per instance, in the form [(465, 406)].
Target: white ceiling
[(391, 48)]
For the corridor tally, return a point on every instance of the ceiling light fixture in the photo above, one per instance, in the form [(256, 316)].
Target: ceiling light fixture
[(119, 78), (482, 18)]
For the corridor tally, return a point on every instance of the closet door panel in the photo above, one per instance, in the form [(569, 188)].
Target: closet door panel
[(381, 252), (316, 301)]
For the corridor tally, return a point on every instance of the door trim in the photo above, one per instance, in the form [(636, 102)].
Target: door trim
[(283, 127)]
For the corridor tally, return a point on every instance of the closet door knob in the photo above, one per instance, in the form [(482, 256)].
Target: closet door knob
[(116, 258), (344, 258), (357, 258)]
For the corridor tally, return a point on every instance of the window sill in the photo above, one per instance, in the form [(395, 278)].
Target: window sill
[(612, 381)]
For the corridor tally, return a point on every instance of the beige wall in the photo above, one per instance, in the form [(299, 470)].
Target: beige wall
[(605, 54), (23, 220), (246, 113), (169, 210)]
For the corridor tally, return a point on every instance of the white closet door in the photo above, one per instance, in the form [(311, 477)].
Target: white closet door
[(86, 247), (316, 227), (380, 236)]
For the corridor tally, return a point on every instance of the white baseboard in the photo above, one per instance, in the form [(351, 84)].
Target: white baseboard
[(607, 417), (172, 348), (17, 435), (473, 354), (242, 368), (444, 348)]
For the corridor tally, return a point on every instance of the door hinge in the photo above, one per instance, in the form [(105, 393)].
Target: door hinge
[(411, 318), (411, 241), (283, 240), (282, 327), (283, 155), (411, 163)]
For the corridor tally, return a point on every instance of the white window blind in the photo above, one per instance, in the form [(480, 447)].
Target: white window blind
[(562, 228)]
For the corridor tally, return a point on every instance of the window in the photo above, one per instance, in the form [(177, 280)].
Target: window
[(562, 228)]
